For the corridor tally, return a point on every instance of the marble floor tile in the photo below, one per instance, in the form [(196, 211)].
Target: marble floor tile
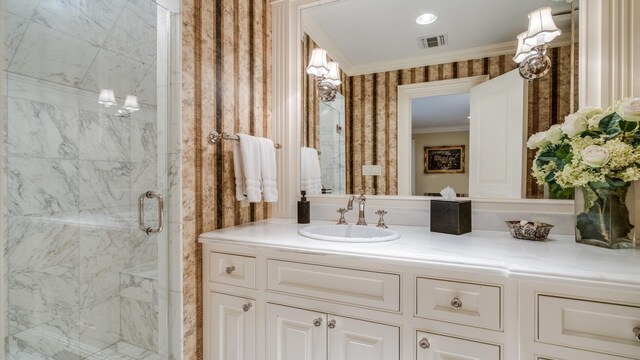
[(90, 21), (38, 129), (53, 56), (55, 340), (42, 186)]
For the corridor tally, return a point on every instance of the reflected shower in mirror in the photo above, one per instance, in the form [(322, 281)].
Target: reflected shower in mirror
[(386, 49)]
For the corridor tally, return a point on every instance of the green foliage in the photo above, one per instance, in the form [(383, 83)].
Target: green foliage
[(560, 154), (610, 125)]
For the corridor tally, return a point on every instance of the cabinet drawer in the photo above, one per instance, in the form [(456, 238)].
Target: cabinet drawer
[(358, 287), (232, 269), (589, 325), (459, 302), (436, 347)]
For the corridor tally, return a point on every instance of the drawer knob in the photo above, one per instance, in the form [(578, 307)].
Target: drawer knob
[(636, 332), (317, 322), (246, 307), (456, 303), (230, 269), (331, 324), (424, 343)]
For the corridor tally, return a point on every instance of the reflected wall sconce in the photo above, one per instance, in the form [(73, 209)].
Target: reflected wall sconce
[(531, 54), (327, 74), (107, 98)]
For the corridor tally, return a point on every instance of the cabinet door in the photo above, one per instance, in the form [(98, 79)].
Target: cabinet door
[(295, 334), (232, 324), (351, 339), (438, 347)]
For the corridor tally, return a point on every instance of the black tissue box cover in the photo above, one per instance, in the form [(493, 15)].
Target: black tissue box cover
[(451, 217)]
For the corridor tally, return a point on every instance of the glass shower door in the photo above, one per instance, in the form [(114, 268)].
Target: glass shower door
[(85, 122)]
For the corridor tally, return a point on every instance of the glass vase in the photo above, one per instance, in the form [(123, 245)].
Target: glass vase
[(603, 217)]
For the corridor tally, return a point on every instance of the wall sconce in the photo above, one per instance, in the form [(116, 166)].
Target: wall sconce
[(532, 44), (327, 74)]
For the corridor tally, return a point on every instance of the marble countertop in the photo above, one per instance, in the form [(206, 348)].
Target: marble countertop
[(495, 251)]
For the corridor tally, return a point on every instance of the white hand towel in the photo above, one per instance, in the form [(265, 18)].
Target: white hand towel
[(250, 153), (268, 170), (311, 179), (241, 188)]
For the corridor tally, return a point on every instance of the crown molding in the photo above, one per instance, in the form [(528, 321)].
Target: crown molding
[(448, 57), (320, 37), (440, 129)]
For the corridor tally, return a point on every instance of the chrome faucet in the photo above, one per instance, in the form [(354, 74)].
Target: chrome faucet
[(361, 202)]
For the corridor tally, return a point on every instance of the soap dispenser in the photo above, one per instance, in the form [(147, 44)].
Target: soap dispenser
[(304, 209)]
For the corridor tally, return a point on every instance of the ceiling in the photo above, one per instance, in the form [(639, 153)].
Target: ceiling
[(376, 31), (440, 111)]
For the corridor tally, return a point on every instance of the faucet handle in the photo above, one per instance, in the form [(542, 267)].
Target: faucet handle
[(342, 220), (381, 223)]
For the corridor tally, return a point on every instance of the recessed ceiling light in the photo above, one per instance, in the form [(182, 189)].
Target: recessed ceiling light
[(427, 18)]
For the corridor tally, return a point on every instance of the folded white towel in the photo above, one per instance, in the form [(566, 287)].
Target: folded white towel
[(311, 176), (241, 188), (268, 170), (250, 155)]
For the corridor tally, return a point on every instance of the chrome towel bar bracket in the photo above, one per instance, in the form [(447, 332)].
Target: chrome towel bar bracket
[(214, 137)]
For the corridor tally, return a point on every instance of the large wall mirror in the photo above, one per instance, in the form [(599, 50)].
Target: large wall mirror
[(401, 122)]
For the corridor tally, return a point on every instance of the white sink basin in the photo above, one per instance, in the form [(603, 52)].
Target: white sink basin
[(348, 233)]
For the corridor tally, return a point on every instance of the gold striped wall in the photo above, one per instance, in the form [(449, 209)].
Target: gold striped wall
[(372, 122), (226, 86)]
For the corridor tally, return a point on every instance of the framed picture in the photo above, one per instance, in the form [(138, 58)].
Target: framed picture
[(444, 159)]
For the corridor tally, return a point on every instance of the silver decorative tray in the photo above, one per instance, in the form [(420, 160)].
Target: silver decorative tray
[(535, 231)]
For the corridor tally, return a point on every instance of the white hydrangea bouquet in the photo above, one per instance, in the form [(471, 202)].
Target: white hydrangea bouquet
[(595, 152)]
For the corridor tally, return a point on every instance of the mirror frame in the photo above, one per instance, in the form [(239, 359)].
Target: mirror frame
[(608, 43)]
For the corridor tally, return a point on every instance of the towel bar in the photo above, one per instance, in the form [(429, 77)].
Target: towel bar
[(214, 136)]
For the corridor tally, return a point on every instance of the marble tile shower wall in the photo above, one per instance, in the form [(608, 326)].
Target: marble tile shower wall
[(74, 170)]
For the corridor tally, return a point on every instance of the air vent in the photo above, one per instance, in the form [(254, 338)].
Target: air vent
[(428, 42)]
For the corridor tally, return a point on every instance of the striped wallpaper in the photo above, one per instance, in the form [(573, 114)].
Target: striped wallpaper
[(226, 86), (372, 122)]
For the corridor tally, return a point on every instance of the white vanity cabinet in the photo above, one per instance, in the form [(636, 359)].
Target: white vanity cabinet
[(307, 335), (273, 297), (232, 328), (577, 322), (437, 347)]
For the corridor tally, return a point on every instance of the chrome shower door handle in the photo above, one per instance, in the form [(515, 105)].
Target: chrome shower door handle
[(150, 195)]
